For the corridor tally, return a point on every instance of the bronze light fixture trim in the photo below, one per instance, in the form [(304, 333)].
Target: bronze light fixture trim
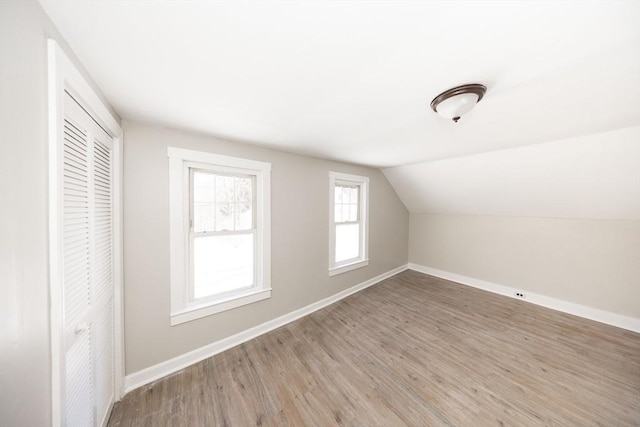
[(456, 101)]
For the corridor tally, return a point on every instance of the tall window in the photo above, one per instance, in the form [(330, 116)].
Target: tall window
[(222, 233), (348, 238), (219, 233)]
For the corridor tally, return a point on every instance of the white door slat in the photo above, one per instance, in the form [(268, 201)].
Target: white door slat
[(79, 411), (88, 268)]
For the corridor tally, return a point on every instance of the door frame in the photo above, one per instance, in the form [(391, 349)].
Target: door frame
[(64, 76)]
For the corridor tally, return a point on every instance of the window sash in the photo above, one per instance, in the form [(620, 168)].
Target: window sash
[(225, 294), (348, 216), (339, 185), (216, 172), (335, 251), (192, 235), (197, 234)]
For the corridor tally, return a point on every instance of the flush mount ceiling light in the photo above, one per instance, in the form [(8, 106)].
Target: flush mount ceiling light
[(454, 103)]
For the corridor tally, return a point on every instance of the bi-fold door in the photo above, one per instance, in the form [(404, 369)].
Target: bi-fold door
[(88, 273)]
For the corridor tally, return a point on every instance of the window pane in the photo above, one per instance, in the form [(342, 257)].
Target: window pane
[(345, 194), (203, 187), (203, 217), (345, 213), (338, 194), (224, 189), (222, 264), (347, 241), (243, 217), (353, 212), (338, 213), (244, 190), (224, 217), (353, 195)]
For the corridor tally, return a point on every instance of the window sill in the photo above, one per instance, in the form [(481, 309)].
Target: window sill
[(344, 268), (214, 307)]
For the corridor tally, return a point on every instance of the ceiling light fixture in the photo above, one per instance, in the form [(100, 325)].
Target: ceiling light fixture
[(454, 103)]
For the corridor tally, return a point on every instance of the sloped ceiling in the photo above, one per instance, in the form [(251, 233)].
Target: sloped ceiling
[(595, 176), (352, 81)]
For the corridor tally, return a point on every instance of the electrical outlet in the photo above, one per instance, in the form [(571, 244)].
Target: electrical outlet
[(519, 294)]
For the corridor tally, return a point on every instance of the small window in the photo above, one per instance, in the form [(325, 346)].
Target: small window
[(348, 238), (219, 233)]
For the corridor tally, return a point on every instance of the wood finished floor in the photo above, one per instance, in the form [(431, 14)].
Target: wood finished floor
[(412, 350)]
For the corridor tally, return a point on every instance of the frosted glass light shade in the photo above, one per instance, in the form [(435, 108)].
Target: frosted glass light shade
[(454, 103), (457, 106)]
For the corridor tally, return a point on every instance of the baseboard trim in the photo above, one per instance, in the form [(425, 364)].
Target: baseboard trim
[(602, 316), (152, 373)]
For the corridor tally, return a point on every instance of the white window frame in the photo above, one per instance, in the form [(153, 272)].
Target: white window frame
[(363, 257), (181, 161)]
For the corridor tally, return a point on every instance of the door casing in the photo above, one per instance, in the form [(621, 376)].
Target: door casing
[(64, 76)]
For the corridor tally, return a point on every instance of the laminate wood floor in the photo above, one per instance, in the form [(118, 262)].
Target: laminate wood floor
[(412, 350)]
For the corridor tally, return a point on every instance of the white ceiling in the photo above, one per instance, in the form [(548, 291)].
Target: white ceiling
[(594, 176), (352, 81)]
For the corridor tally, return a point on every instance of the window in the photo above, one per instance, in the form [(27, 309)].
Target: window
[(348, 239), (219, 232)]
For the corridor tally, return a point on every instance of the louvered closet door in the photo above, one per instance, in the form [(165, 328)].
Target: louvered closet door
[(88, 269)]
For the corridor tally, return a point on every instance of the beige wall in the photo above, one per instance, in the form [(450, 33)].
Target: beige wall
[(299, 244), (590, 262), (25, 372)]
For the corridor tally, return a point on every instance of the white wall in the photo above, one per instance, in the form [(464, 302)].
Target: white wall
[(595, 263), (25, 371), (299, 243), (560, 219)]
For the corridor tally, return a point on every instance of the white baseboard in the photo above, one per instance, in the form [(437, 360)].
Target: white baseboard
[(152, 373), (614, 319)]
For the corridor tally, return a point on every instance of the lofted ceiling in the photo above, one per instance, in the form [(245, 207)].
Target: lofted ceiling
[(352, 81), (589, 177)]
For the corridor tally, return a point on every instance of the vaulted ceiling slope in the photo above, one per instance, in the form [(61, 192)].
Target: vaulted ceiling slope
[(595, 177), (352, 81)]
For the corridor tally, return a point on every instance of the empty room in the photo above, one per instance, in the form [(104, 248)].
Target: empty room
[(319, 213)]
